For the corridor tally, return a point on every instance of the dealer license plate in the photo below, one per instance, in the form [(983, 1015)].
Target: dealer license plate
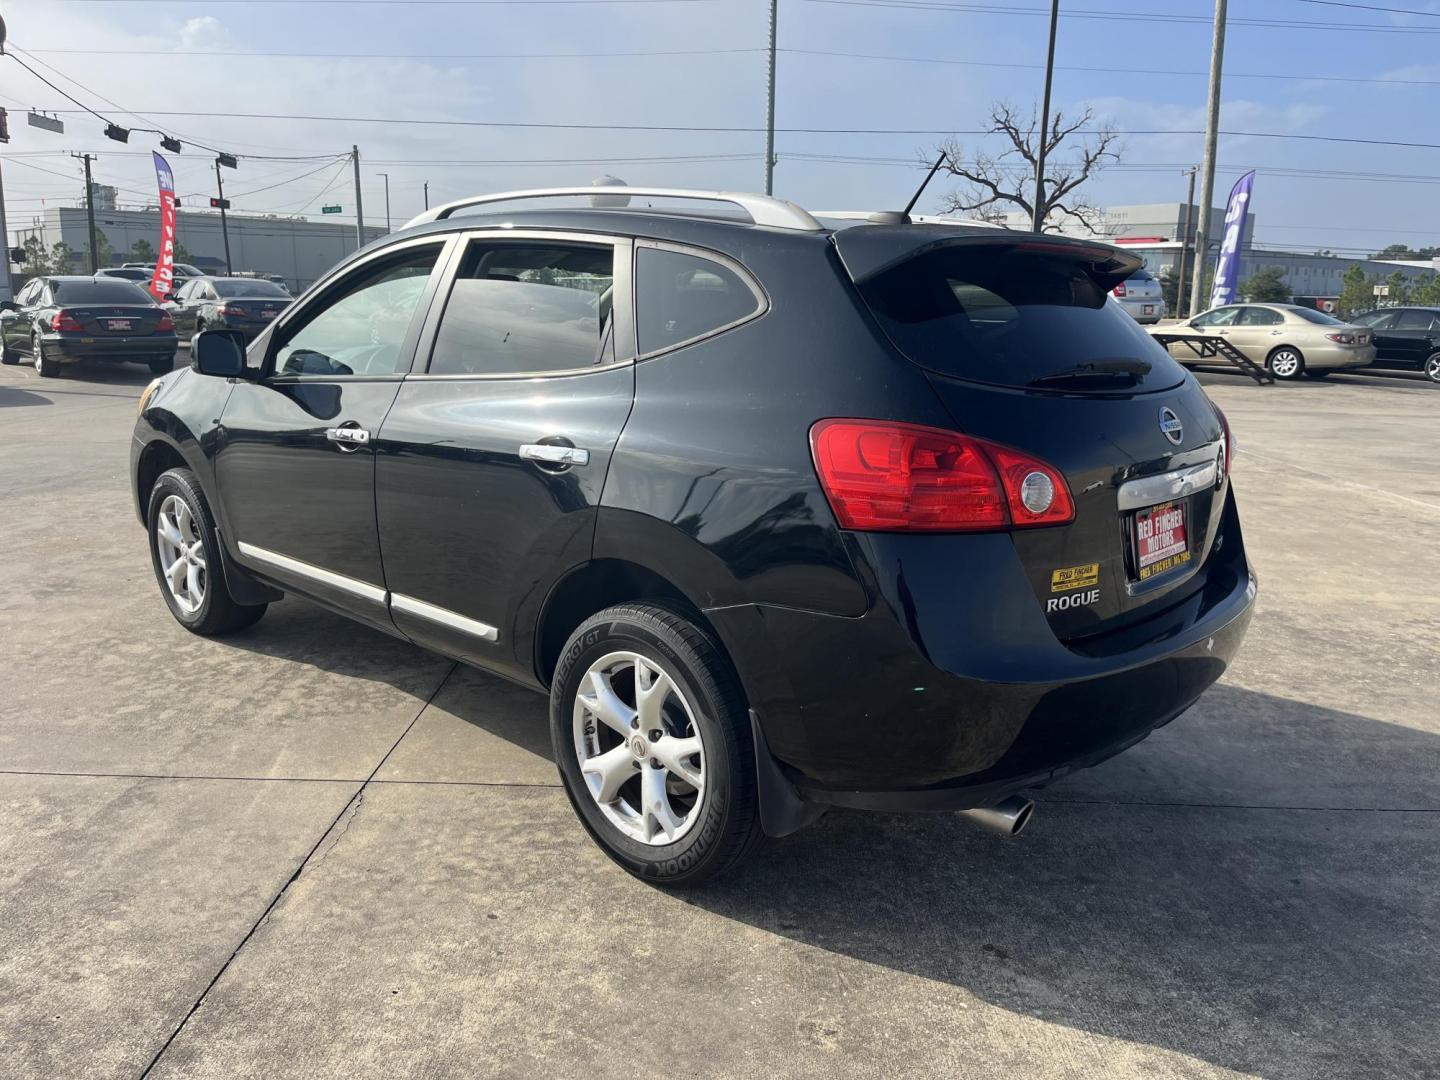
[(1149, 309), (1161, 542), (119, 324)]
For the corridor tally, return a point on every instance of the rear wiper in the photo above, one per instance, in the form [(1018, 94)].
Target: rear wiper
[(1103, 372)]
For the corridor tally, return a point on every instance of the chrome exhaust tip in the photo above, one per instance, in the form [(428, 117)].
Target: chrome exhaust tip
[(1008, 816)]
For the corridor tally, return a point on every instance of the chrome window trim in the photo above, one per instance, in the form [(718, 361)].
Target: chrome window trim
[(444, 617), (298, 567), (622, 261), (762, 298)]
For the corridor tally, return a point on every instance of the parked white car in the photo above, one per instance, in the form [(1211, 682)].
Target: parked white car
[(1140, 296)]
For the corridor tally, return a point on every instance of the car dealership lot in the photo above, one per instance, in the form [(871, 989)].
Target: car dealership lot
[(312, 850)]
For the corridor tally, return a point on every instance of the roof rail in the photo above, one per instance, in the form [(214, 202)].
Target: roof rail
[(763, 209)]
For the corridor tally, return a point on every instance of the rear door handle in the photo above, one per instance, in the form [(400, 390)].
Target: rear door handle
[(551, 454), (349, 436)]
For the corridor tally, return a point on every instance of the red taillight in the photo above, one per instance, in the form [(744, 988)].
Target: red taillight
[(1229, 442), (165, 323), (63, 320), (1119, 290), (1342, 339), (226, 309), (890, 477)]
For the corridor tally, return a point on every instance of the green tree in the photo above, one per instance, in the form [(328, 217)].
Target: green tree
[(140, 251), (1356, 294), (104, 252), (1266, 286), (62, 258), (36, 262), (182, 253), (1399, 286), (1426, 291), (1405, 251)]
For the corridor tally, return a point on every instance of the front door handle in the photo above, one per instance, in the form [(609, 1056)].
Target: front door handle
[(551, 454), (349, 436)]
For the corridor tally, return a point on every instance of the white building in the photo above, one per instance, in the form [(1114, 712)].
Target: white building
[(295, 248)]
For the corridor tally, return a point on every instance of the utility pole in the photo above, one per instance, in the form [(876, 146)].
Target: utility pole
[(387, 199), (427, 194), (1184, 245), (1207, 182), (770, 106), (90, 211), (5, 293), (359, 208), (224, 227), (1037, 219)]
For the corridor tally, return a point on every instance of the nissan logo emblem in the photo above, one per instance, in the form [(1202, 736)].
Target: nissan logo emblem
[(1170, 425)]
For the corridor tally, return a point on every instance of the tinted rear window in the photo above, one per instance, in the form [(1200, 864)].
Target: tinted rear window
[(99, 292), (1010, 318), (1141, 275), (249, 288)]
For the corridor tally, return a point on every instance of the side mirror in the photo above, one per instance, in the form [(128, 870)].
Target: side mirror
[(218, 352), (169, 298)]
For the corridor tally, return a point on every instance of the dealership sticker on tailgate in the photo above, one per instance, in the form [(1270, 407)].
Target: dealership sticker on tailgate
[(1160, 539), (1075, 577)]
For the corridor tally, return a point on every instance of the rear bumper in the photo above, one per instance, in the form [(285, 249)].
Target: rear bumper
[(1136, 309), (70, 347), (953, 692), (1333, 357)]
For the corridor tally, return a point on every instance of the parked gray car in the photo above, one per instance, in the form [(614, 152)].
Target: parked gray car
[(1140, 296)]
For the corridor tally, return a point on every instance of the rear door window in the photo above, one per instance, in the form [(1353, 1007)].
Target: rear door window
[(519, 307), (1415, 320), (1012, 318), (682, 296)]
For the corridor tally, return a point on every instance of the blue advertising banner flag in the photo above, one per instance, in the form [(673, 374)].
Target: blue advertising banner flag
[(1227, 270)]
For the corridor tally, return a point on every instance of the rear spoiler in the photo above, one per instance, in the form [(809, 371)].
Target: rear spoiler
[(870, 250)]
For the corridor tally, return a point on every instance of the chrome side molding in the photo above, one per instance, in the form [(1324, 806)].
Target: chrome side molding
[(373, 593), (353, 586), (443, 617)]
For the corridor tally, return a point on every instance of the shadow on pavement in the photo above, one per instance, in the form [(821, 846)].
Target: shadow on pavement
[(13, 397)]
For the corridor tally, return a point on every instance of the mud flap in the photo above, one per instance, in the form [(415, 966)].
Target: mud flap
[(782, 811)]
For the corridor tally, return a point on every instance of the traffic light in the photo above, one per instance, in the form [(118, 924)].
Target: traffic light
[(219, 204), (173, 145), (228, 160), (116, 132)]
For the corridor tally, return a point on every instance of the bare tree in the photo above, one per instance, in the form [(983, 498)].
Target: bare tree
[(1001, 183)]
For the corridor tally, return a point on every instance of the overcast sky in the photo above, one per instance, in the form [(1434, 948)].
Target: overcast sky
[(1141, 75)]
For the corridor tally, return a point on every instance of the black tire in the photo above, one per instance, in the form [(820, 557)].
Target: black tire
[(1432, 368), (1280, 356), (8, 356), (46, 369), (159, 365), (217, 612), (728, 828), (1312, 373)]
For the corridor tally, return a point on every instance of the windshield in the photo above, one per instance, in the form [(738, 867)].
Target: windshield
[(249, 287), (99, 292), (1311, 315), (1012, 318)]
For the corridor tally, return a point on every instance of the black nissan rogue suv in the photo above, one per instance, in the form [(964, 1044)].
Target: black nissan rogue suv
[(783, 515)]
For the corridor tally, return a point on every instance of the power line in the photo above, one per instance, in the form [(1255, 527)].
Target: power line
[(1090, 13), (719, 52), (1373, 7)]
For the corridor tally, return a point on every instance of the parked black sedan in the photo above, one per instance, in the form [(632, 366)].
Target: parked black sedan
[(55, 320), (1406, 337), (226, 303)]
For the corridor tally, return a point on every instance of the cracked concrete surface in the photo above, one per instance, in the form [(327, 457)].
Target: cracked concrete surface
[(314, 851)]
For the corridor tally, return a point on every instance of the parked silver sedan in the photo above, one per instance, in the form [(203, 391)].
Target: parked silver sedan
[(1287, 340), (1140, 296)]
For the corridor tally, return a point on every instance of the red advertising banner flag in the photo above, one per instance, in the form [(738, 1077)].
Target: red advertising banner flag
[(164, 278)]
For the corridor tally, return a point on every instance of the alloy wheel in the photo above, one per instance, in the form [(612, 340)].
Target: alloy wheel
[(1285, 364), (182, 554), (640, 750), (1432, 368)]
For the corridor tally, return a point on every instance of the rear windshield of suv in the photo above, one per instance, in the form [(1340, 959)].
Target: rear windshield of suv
[(99, 292), (1011, 318)]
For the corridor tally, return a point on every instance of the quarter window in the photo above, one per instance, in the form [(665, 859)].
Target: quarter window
[(519, 307), (361, 329), (680, 297)]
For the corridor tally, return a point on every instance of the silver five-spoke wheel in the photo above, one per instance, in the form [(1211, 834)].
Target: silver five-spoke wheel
[(182, 554), (639, 748)]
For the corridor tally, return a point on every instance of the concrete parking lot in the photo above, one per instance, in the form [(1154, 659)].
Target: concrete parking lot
[(311, 850)]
